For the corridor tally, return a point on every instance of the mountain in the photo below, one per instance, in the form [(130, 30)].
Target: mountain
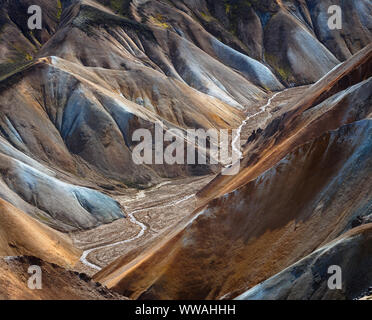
[(306, 180), (57, 283), (308, 278), (22, 235), (187, 65), (73, 94)]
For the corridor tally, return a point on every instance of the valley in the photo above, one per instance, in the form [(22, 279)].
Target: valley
[(293, 95)]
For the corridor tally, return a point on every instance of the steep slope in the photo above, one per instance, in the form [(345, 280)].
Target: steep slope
[(304, 196), (19, 44), (65, 206), (246, 236), (326, 105), (137, 47), (292, 37), (274, 42), (75, 107), (308, 278), (73, 94), (134, 93), (23, 235), (57, 283), (74, 115), (45, 194)]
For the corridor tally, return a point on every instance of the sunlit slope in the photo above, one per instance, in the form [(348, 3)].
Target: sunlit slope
[(309, 183), (22, 235), (57, 282)]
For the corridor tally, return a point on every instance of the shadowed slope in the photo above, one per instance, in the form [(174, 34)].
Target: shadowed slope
[(19, 44), (72, 95), (289, 37), (292, 127), (76, 122), (273, 216), (308, 278), (248, 235)]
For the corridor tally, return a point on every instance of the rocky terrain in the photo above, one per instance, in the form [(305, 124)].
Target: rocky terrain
[(57, 283), (20, 234), (308, 278), (73, 93), (302, 186)]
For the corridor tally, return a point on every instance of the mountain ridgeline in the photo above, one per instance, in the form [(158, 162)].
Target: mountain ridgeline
[(73, 93)]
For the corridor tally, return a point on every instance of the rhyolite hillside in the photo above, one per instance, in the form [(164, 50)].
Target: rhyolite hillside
[(73, 93), (305, 181)]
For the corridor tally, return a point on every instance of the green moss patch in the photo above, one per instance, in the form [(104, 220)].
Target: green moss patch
[(90, 18), (283, 70), (120, 7)]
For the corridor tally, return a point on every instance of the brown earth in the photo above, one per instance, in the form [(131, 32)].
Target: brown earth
[(307, 184), (22, 235), (57, 283), (308, 279), (73, 93)]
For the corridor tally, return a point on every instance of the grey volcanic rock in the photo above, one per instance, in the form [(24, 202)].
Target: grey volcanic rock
[(18, 44), (263, 30), (356, 26), (305, 181), (308, 278), (263, 227), (71, 206), (73, 94), (294, 52), (252, 69), (58, 283)]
